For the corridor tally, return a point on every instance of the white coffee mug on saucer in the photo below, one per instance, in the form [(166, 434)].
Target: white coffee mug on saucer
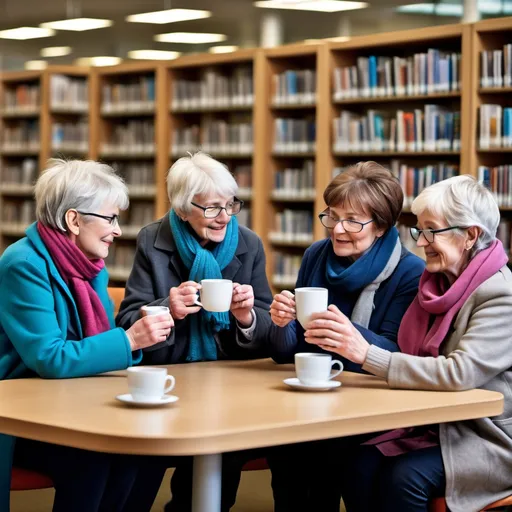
[(309, 300), (315, 369), (148, 384)]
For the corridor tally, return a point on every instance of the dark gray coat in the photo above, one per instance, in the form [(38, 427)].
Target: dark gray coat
[(158, 267)]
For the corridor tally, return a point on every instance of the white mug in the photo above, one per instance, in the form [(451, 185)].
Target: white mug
[(309, 300), (315, 369), (148, 384), (154, 310), (216, 295)]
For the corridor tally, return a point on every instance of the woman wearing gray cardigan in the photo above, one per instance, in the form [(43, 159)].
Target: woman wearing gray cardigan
[(456, 335)]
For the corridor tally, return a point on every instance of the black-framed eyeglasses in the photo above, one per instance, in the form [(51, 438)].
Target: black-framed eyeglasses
[(349, 225), (429, 233), (112, 219), (211, 212)]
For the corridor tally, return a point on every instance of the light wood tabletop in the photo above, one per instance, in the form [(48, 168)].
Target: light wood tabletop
[(223, 406)]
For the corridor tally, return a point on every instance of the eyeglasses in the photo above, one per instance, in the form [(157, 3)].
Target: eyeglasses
[(112, 219), (350, 226), (211, 212), (429, 233)]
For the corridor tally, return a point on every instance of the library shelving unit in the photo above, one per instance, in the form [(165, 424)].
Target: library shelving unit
[(124, 115), (491, 114), (291, 141), (210, 103)]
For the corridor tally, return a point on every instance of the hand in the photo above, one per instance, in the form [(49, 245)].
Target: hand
[(282, 309), (149, 331), (242, 303), (334, 332), (181, 299)]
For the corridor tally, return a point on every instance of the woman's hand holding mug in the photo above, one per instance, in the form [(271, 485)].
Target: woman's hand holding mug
[(282, 309), (182, 299), (150, 330)]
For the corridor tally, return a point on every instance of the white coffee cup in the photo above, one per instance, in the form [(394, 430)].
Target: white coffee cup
[(309, 300), (154, 310), (315, 369), (148, 384), (215, 295)]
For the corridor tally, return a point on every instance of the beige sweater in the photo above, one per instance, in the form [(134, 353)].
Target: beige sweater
[(477, 353)]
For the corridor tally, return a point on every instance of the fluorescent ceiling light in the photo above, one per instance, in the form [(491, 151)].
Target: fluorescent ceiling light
[(97, 61), (339, 39), (168, 16), (23, 33), (55, 51), (77, 24), (35, 65), (485, 7), (153, 55), (190, 37), (312, 5), (223, 49)]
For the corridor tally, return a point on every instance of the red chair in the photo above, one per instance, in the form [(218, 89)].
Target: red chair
[(256, 465), (26, 480), (439, 504)]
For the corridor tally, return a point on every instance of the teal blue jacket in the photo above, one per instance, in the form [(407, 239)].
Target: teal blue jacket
[(40, 330)]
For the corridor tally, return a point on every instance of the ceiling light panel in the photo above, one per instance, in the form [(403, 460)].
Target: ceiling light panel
[(98, 61), (153, 55), (23, 33), (190, 38), (223, 49), (168, 16), (36, 65), (312, 5), (78, 24), (55, 51)]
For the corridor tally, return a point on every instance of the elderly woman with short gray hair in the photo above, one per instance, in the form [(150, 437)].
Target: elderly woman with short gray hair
[(455, 336), (56, 321), (200, 239)]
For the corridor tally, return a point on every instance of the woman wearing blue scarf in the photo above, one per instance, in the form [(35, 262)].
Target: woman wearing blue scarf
[(200, 239), (371, 280)]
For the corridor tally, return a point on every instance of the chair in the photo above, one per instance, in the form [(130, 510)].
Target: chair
[(26, 480), (255, 465), (117, 295), (439, 504)]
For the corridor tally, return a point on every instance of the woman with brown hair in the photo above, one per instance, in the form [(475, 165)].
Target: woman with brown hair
[(371, 280)]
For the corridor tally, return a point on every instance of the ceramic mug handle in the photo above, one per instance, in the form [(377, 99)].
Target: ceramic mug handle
[(335, 374), (170, 386)]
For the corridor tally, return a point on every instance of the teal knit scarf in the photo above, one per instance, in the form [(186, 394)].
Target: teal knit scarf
[(204, 264)]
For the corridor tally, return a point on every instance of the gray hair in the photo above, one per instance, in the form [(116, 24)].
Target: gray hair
[(198, 174), (464, 202), (80, 184)]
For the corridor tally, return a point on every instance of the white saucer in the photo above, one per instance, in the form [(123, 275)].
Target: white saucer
[(297, 384), (128, 399)]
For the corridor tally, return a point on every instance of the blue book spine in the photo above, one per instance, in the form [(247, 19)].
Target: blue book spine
[(372, 65)]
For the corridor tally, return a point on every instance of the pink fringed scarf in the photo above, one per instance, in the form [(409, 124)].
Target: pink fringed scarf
[(77, 271), (436, 299)]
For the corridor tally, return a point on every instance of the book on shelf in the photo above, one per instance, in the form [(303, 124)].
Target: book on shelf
[(433, 128), (294, 135), (408, 241), (71, 136), (135, 93), (496, 67), (286, 269), (22, 97), (495, 127), (243, 177), (134, 136), (138, 215), (292, 226), (20, 213), (23, 135), (138, 176), (504, 235), (20, 172), (119, 261), (499, 181), (432, 72), (69, 93), (295, 183), (295, 87), (214, 89)]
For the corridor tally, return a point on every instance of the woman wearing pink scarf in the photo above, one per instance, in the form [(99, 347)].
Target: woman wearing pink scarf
[(456, 335)]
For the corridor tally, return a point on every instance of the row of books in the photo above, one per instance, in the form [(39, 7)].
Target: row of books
[(499, 181), (286, 268), (18, 212), (414, 179), (434, 128), (504, 234), (138, 176), (408, 242), (495, 126), (214, 90), (133, 136), (22, 97), (24, 135), (292, 226), (19, 172), (139, 214), (496, 67), (120, 257), (69, 92), (134, 93), (295, 183), (243, 177), (422, 73), (294, 135), (71, 136), (295, 86)]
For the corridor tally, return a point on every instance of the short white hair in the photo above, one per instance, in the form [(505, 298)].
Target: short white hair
[(198, 174), (79, 184), (462, 201)]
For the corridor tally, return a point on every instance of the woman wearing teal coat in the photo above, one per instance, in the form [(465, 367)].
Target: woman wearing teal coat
[(56, 321)]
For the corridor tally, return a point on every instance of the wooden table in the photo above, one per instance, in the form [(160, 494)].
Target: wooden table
[(223, 406)]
